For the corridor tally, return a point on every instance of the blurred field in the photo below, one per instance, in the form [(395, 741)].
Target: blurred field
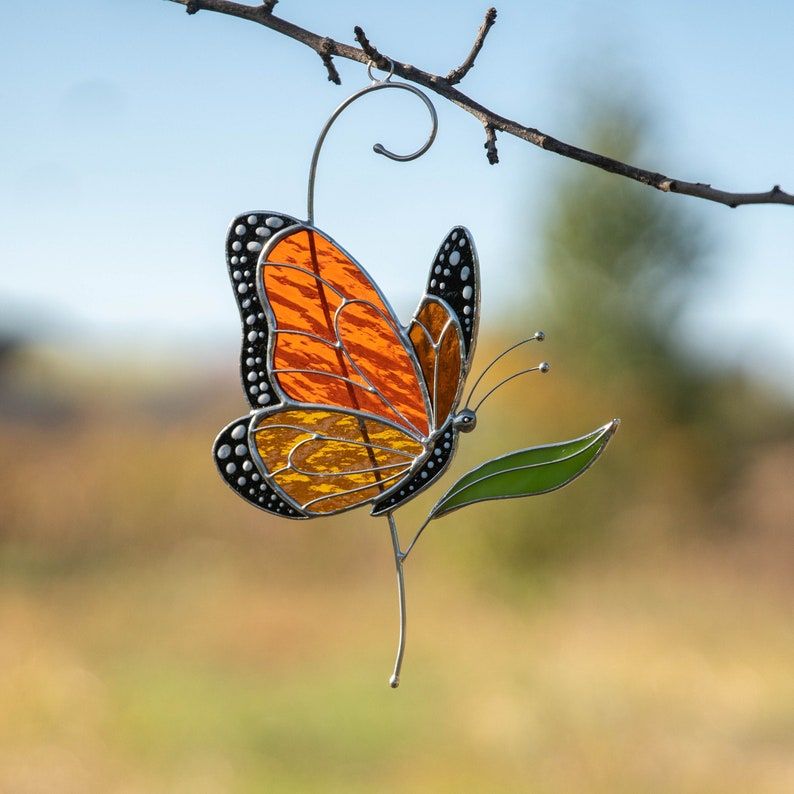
[(631, 633), (159, 636)]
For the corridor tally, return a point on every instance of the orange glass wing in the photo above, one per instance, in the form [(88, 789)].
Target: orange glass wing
[(436, 338), (327, 461), (336, 342)]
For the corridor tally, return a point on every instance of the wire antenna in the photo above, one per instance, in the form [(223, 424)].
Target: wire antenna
[(543, 367), (538, 336)]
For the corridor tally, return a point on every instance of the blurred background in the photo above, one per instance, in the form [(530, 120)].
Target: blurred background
[(633, 632)]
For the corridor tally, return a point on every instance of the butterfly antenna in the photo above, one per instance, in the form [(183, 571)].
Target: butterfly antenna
[(543, 367), (394, 681), (538, 336)]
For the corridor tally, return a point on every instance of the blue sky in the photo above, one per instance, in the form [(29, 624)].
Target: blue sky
[(132, 133)]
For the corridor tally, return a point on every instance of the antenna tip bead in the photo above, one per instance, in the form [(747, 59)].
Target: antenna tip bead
[(544, 367), (539, 336)]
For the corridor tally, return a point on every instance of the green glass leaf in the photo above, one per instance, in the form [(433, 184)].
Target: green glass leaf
[(527, 472)]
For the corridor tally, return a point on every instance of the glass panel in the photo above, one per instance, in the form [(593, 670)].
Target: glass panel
[(316, 254), (442, 368), (354, 459), (342, 309), (527, 472), (454, 277), (380, 354)]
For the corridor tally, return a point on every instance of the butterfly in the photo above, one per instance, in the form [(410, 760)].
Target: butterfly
[(348, 406)]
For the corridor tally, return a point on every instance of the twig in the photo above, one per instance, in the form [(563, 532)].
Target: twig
[(490, 145), (326, 51), (369, 49), (456, 75), (440, 85)]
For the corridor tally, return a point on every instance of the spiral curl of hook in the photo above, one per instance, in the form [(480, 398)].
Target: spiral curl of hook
[(378, 148)]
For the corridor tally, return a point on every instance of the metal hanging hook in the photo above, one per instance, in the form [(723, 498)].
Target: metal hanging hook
[(374, 79), (378, 148)]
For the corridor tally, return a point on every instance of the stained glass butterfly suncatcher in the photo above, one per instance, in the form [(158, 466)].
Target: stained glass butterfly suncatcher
[(349, 407)]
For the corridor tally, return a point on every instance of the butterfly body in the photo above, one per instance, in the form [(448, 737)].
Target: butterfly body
[(349, 406)]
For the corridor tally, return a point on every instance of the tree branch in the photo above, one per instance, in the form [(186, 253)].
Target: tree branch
[(456, 75), (493, 122)]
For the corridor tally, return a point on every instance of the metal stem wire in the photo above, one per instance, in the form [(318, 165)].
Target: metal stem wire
[(394, 681), (416, 537), (378, 148)]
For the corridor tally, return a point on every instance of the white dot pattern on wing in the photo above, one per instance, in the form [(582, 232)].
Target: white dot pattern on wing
[(241, 474), (453, 279), (247, 235)]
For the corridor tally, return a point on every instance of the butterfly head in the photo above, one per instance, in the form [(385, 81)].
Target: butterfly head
[(465, 420)]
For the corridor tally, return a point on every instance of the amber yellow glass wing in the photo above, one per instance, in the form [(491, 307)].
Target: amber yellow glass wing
[(326, 461)]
